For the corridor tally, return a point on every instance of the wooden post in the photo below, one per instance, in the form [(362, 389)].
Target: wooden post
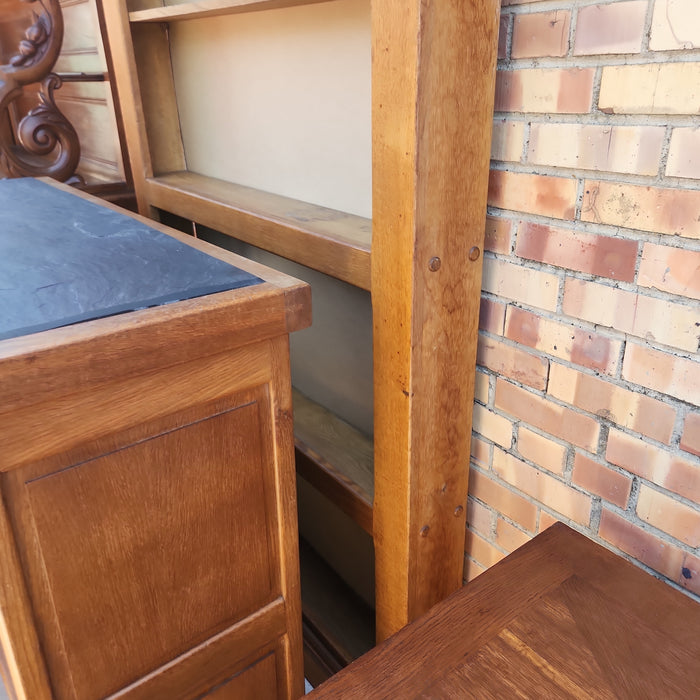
[(433, 73)]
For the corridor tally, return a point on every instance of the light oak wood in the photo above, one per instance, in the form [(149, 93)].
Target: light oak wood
[(150, 541), (171, 12), (432, 104), (560, 617), (321, 238)]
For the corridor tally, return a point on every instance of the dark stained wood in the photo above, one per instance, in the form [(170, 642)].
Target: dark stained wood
[(149, 543), (335, 458), (560, 617)]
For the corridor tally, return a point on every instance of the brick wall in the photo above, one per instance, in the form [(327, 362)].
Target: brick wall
[(588, 383)]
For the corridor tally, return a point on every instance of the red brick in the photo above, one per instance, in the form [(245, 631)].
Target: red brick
[(675, 25), (684, 154), (619, 149), (509, 537), (518, 283), (672, 270), (602, 481), (666, 373), (482, 551), (547, 416), (507, 140), (546, 453), (652, 88), (481, 387), (502, 500), (492, 316), (497, 235), (492, 426), (690, 440), (585, 348), (479, 518), (512, 362), (635, 314), (630, 409), (671, 516), (643, 546), (690, 574), (614, 28), (480, 452), (602, 256), (672, 472), (553, 493), (472, 569), (503, 25), (546, 521), (535, 194), (545, 90), (541, 34), (660, 210)]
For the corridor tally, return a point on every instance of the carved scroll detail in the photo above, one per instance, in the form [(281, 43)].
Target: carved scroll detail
[(46, 142)]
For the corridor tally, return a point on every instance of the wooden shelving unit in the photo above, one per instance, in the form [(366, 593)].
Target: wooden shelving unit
[(432, 105)]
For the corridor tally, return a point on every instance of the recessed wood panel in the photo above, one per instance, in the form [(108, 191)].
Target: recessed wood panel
[(255, 682), (163, 543)]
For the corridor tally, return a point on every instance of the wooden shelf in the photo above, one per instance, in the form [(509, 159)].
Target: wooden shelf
[(338, 626), (334, 458), (327, 240), (211, 8)]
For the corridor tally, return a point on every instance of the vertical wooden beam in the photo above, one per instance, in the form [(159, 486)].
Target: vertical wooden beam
[(433, 74)]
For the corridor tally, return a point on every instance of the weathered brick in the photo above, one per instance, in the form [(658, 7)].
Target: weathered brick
[(506, 3), (668, 374), (672, 270), (675, 25), (630, 409), (512, 362), (614, 28), (507, 140), (564, 423), (690, 574), (663, 512), (535, 194), (541, 34), (553, 493), (480, 452), (619, 149), (684, 154), (643, 546), (690, 440), (585, 348), (522, 284), (479, 517), (503, 25), (471, 570), (492, 426), (672, 472), (481, 387), (601, 480), (497, 234), (660, 210), (492, 316), (546, 521), (545, 90), (538, 449), (509, 537), (652, 88), (632, 313), (481, 550), (603, 256), (504, 501)]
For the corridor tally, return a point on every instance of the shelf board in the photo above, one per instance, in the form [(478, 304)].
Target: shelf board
[(334, 458), (327, 240), (172, 12), (338, 625)]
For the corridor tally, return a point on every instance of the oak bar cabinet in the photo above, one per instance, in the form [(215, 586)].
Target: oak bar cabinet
[(433, 76), (148, 529)]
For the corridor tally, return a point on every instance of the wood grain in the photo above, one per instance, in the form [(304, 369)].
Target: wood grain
[(560, 617), (427, 226)]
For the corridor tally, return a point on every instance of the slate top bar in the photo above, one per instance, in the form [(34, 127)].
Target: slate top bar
[(64, 260)]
